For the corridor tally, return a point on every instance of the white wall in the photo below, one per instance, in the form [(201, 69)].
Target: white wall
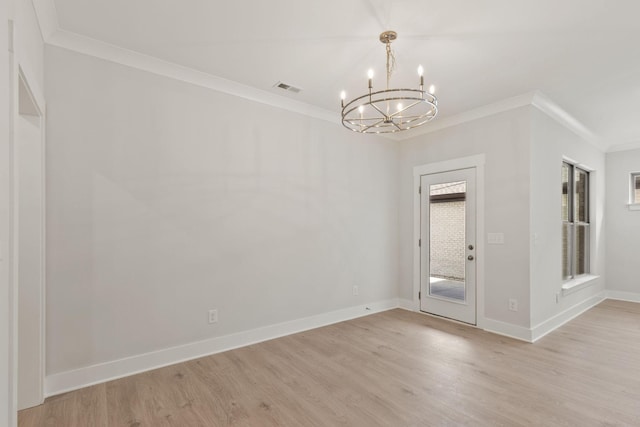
[(504, 139), (550, 142), (623, 225), (166, 199)]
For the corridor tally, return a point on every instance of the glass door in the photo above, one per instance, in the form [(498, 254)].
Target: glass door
[(447, 246)]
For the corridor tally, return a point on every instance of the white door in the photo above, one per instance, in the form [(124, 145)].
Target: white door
[(448, 244)]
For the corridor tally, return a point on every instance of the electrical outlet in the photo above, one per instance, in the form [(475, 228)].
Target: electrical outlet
[(356, 291), (513, 304), (213, 316)]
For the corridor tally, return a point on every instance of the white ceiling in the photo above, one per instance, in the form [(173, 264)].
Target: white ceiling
[(583, 54)]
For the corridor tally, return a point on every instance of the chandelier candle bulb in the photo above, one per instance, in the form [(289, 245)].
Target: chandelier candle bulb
[(343, 96), (372, 112), (432, 89)]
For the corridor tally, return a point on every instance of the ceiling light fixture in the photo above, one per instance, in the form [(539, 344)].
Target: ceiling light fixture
[(389, 110)]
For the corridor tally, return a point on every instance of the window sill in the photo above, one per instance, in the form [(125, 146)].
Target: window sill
[(578, 283), (634, 206)]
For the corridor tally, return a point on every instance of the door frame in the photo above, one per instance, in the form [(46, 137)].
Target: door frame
[(19, 77), (477, 161)]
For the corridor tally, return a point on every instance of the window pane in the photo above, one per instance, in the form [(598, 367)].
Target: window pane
[(582, 249), (566, 250), (636, 187), (581, 200), (565, 191), (575, 218)]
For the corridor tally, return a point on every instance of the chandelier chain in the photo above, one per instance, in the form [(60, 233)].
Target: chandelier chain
[(391, 62)]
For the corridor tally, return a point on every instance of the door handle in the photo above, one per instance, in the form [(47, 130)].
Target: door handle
[(470, 257)]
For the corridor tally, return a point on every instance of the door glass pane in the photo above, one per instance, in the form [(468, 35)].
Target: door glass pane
[(566, 250), (447, 240), (582, 249), (636, 188)]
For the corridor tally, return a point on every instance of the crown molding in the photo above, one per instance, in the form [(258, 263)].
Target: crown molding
[(92, 47), (47, 17), (52, 34), (534, 98), (553, 110), (634, 145), (470, 115)]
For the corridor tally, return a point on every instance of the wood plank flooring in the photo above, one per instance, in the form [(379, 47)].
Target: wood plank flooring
[(395, 368)]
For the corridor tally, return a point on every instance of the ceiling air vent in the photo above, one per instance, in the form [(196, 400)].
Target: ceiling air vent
[(287, 87)]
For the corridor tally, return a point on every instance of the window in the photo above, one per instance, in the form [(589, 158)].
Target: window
[(575, 221), (635, 188)]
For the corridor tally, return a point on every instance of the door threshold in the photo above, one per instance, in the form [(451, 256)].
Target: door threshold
[(437, 316)]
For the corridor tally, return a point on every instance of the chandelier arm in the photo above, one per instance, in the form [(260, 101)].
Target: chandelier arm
[(359, 121), (379, 110), (430, 98), (404, 109), (412, 119), (373, 125), (418, 123), (433, 106)]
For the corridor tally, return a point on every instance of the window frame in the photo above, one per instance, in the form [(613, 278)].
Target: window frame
[(573, 223)]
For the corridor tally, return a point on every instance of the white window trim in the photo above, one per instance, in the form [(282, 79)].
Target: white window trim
[(582, 281), (578, 283)]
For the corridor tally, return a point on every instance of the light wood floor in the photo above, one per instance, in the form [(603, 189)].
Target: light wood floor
[(395, 368)]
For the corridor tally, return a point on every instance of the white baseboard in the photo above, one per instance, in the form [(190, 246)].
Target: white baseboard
[(83, 377), (535, 333), (510, 330), (78, 378), (407, 304), (623, 295), (489, 325), (494, 326), (560, 319)]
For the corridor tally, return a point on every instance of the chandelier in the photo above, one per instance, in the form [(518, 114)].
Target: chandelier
[(389, 110)]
